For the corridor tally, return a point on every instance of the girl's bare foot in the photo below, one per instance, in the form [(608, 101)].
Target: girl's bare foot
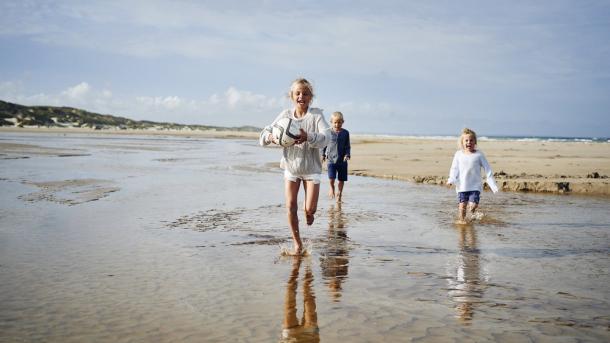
[(309, 218), (298, 250), (331, 194), (461, 222)]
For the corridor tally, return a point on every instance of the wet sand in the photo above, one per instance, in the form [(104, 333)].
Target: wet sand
[(114, 238)]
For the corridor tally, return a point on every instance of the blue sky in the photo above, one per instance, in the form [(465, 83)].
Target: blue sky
[(393, 67)]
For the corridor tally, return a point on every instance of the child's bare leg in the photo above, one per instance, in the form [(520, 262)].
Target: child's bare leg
[(462, 212), (340, 184), (311, 200), (310, 316), (290, 299), (291, 190), (472, 206), (331, 191)]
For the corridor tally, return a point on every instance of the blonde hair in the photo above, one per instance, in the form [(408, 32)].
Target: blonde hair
[(301, 81), (337, 115), (466, 131)]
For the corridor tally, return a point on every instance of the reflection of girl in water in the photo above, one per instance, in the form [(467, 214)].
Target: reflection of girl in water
[(465, 288), (335, 259), (307, 330)]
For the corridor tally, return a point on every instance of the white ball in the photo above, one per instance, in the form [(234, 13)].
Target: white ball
[(285, 131)]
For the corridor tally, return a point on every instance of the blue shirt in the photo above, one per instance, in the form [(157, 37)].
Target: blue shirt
[(338, 147)]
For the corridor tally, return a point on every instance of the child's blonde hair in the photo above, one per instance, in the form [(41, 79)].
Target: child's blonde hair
[(466, 131), (337, 115), (301, 81)]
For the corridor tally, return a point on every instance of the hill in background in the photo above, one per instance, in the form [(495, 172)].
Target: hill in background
[(50, 116)]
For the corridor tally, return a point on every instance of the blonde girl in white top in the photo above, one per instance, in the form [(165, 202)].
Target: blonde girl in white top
[(302, 161), (465, 173)]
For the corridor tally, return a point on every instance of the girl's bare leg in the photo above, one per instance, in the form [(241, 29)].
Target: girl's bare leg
[(331, 191), (290, 299), (291, 190), (473, 206), (311, 200), (462, 212)]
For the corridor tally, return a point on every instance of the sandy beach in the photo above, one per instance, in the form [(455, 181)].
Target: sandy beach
[(522, 166), (119, 237), (528, 166)]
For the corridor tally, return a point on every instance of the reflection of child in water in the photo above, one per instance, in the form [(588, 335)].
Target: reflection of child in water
[(465, 288), (307, 330), (335, 259)]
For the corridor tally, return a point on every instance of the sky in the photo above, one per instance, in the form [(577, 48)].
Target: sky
[(518, 68)]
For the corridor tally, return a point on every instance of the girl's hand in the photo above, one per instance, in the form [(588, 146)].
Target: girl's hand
[(272, 139), (302, 137), (345, 158)]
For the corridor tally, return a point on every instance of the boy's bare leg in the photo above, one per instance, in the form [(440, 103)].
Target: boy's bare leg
[(340, 194), (331, 191), (291, 190), (311, 200)]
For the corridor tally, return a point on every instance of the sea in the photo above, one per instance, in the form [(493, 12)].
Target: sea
[(501, 138)]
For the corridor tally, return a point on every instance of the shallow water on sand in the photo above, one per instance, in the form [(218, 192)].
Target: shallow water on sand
[(139, 239)]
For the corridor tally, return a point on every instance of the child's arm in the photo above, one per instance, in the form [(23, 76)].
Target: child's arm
[(321, 138), (489, 174), (454, 171), (348, 148), (265, 136)]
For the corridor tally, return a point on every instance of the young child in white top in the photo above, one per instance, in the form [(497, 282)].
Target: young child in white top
[(465, 173), (301, 162)]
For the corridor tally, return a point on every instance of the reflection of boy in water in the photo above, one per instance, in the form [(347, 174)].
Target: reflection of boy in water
[(307, 330), (334, 262), (465, 289)]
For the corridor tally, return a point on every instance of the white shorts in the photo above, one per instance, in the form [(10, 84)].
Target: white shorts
[(310, 177)]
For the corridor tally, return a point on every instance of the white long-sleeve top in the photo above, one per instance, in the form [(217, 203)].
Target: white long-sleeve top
[(302, 159), (465, 172)]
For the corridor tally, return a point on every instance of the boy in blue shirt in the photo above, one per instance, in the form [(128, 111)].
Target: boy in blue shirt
[(337, 152)]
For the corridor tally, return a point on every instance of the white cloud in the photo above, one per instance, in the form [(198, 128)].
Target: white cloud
[(232, 107), (163, 103), (77, 92)]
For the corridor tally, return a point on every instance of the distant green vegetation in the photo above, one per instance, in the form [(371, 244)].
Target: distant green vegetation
[(50, 116)]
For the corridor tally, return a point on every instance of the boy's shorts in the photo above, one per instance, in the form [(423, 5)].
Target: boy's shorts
[(471, 196), (337, 169), (310, 177)]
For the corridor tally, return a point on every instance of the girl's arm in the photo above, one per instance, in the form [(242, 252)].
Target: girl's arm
[(265, 136), (454, 171), (321, 138), (489, 174)]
